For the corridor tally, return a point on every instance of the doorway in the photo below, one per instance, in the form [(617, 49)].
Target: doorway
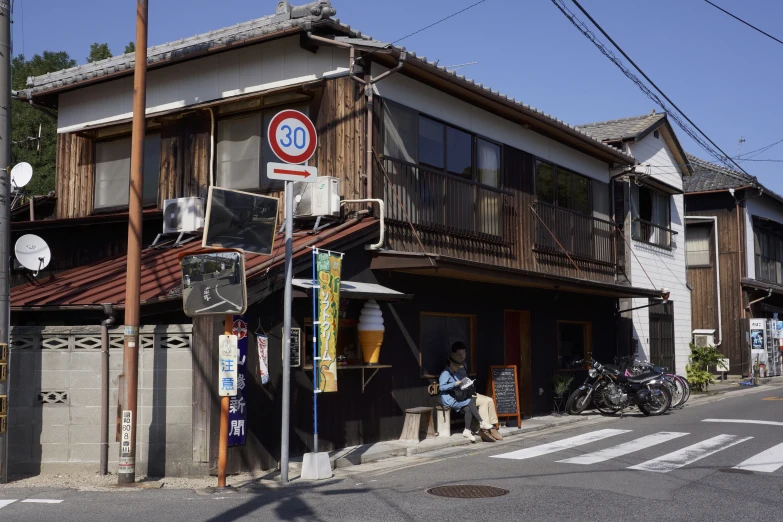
[(662, 335), (517, 352)]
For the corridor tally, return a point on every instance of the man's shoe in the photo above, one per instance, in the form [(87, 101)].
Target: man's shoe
[(468, 435), (485, 436), (495, 434), (486, 426)]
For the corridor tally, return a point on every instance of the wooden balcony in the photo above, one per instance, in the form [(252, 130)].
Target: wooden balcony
[(437, 213)]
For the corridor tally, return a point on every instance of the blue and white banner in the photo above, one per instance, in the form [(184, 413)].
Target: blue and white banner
[(237, 408)]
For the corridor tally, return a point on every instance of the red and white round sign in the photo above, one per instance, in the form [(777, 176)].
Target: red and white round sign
[(292, 136)]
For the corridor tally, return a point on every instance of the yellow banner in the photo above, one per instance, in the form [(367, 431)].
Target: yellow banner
[(328, 316)]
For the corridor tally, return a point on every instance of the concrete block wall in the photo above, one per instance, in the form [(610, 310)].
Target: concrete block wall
[(55, 398)]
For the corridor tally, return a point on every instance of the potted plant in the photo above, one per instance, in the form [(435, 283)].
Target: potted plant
[(560, 384)]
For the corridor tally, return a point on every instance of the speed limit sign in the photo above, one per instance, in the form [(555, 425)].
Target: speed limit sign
[(292, 136)]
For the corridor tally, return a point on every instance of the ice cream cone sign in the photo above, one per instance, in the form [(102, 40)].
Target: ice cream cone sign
[(371, 332)]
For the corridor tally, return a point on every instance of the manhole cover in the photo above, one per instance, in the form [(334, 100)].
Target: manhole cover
[(467, 491), (740, 471)]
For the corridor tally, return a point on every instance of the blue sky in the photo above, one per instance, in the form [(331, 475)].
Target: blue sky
[(725, 76)]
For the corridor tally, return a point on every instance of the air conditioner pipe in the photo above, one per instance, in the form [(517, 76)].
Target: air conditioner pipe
[(105, 324), (714, 220), (382, 210)]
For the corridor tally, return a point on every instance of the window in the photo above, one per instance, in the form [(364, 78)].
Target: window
[(562, 187), (697, 245), (400, 133), (438, 333), (651, 216), (574, 340), (112, 172), (769, 256), (488, 156), (459, 152), (431, 143), (243, 152)]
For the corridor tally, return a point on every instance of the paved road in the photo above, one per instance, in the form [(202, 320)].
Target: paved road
[(694, 464), (215, 295)]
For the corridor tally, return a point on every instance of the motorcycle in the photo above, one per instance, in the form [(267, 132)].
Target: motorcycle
[(613, 392)]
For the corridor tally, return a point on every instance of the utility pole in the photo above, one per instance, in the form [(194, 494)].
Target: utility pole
[(5, 204), (130, 357)]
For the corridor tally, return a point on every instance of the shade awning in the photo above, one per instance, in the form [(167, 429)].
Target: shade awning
[(356, 290)]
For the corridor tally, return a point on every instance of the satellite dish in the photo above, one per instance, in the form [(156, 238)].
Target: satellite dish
[(32, 252), (21, 174)]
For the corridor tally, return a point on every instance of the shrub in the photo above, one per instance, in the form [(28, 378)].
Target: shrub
[(701, 359), (561, 384)]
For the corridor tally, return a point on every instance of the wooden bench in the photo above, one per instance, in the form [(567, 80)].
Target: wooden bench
[(418, 422), (443, 421)]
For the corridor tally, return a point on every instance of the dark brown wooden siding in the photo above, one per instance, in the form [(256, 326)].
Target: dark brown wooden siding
[(74, 175), (704, 306), (184, 158)]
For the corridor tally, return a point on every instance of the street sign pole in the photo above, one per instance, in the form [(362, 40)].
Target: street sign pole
[(289, 220)]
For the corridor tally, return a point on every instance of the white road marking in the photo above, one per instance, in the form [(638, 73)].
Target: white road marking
[(624, 449), (745, 421), (41, 501), (226, 300), (690, 454), (767, 461), (212, 306), (543, 449), (4, 503)]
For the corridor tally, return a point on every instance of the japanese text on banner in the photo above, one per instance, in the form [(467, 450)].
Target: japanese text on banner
[(237, 407), (328, 272)]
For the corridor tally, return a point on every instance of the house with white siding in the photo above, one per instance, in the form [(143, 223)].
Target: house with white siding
[(649, 209)]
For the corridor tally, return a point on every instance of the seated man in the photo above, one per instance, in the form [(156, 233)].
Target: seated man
[(450, 396), (485, 405)]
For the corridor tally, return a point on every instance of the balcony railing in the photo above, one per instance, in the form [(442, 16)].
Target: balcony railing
[(652, 234), (582, 237), (434, 201)]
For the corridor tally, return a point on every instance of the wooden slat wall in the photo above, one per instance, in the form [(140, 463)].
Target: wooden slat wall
[(184, 158), (74, 176)]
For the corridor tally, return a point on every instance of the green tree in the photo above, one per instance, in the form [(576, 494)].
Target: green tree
[(26, 121), (130, 48), (99, 52), (698, 371)]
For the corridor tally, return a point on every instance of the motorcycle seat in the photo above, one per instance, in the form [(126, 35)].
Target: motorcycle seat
[(639, 379)]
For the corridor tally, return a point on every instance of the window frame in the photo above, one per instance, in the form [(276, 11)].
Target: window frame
[(710, 234), (471, 362), (587, 334), (117, 208), (555, 186), (773, 241), (474, 137)]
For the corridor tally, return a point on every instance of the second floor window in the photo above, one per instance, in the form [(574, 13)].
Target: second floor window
[(697, 245), (769, 256), (112, 172), (559, 186), (651, 216)]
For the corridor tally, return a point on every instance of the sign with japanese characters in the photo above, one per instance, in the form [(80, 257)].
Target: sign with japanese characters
[(227, 365), (125, 439), (237, 408), (328, 273)]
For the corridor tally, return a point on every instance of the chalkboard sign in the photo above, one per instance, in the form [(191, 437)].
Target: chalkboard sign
[(505, 392), (296, 347)]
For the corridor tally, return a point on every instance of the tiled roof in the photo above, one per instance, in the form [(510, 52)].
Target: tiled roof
[(709, 176), (104, 281), (257, 30), (622, 129)]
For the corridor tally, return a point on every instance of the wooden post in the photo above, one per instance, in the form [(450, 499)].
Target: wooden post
[(224, 402)]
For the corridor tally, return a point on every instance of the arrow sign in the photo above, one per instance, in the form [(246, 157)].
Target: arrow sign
[(286, 172)]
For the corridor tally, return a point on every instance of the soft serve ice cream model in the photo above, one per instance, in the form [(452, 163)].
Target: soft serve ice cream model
[(371, 332)]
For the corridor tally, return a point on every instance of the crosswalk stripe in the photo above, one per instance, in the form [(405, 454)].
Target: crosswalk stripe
[(543, 449), (4, 503), (625, 448), (41, 501), (767, 461), (690, 454)]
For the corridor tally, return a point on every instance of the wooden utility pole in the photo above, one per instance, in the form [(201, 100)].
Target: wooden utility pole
[(130, 359)]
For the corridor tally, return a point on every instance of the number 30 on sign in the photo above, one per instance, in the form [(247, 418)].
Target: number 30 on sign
[(292, 136)]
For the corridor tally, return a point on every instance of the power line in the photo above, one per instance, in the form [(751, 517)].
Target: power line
[(743, 21), (759, 151), (722, 157)]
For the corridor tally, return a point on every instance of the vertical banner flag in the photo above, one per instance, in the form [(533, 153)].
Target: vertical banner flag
[(237, 409), (263, 356), (328, 272)]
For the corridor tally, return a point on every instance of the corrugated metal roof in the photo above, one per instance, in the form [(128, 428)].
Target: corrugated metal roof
[(622, 129), (104, 282), (269, 26)]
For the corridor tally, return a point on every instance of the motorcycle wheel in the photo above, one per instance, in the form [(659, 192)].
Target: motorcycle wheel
[(601, 404), (660, 401), (577, 402)]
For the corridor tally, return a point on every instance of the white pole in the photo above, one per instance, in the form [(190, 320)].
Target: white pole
[(289, 219)]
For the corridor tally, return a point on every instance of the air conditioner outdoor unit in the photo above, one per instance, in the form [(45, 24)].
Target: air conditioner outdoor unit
[(183, 215), (321, 198), (704, 338)]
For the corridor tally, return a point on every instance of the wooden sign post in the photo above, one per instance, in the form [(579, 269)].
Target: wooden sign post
[(505, 392)]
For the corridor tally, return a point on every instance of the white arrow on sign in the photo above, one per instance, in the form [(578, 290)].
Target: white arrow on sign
[(286, 172)]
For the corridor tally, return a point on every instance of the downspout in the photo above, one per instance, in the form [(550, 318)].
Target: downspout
[(367, 93), (211, 147), (769, 294), (714, 219), (105, 324), (381, 209)]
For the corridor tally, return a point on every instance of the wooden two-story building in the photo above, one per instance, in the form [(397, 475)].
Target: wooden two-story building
[(499, 230)]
